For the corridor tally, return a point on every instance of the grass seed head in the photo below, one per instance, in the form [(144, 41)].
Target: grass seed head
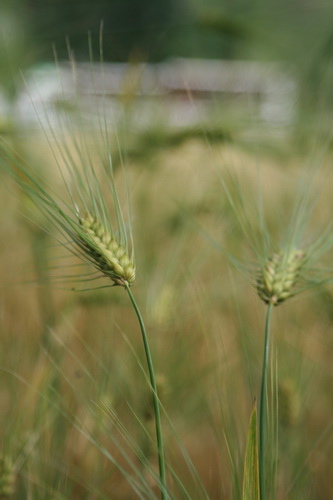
[(279, 276), (289, 403), (107, 254), (7, 477)]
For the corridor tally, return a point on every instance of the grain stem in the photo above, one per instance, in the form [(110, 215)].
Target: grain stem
[(156, 404), (263, 407)]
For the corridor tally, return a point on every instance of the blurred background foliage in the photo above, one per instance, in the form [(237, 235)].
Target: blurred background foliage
[(299, 33)]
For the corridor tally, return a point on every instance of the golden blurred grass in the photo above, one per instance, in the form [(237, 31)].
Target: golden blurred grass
[(67, 358)]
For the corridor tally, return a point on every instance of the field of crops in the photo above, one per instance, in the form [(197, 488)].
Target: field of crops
[(206, 218)]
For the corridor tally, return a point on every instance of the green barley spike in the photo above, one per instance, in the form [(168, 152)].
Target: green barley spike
[(279, 275), (107, 254), (7, 477), (289, 403)]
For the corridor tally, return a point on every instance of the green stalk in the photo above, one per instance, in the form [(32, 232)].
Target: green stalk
[(156, 404), (263, 406)]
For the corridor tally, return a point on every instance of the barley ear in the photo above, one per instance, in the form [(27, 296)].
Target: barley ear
[(7, 477), (105, 252), (277, 279), (289, 403)]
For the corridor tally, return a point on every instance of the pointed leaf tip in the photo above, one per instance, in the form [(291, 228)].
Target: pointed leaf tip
[(251, 468)]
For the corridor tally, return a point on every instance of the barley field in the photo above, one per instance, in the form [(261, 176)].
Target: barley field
[(208, 218)]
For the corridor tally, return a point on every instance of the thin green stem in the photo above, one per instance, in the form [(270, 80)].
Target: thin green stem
[(263, 407), (156, 404)]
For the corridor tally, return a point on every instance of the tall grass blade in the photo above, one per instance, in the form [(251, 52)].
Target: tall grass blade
[(251, 469)]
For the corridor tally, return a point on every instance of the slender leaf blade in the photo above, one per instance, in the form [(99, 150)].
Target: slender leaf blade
[(251, 468)]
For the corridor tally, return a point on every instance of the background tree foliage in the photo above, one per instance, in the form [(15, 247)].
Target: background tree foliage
[(298, 33), (154, 30)]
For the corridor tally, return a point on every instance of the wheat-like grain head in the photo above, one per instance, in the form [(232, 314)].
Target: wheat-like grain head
[(105, 252), (280, 273), (86, 206), (7, 477)]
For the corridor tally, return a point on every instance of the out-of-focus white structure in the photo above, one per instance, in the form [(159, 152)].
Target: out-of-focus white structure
[(180, 92)]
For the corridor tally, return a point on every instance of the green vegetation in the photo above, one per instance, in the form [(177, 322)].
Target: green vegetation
[(232, 230), (77, 415)]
